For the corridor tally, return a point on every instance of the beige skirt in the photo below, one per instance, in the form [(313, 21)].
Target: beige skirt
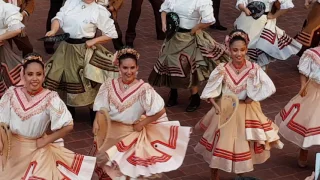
[(160, 147), (76, 72), (186, 60), (299, 121), (52, 162), (10, 68), (246, 139)]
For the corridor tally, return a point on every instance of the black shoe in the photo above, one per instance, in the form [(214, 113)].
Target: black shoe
[(218, 27), (92, 116), (173, 98), (194, 103), (49, 47)]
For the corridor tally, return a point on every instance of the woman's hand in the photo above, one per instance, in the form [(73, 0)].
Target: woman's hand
[(215, 105), (50, 33), (111, 8), (303, 91), (247, 12), (95, 127), (248, 100), (194, 30), (41, 142), (1, 147), (164, 27), (90, 43), (137, 127)]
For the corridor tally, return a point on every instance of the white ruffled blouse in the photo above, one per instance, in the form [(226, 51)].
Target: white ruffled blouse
[(191, 12), (31, 119), (285, 4), (252, 82), (10, 18), (81, 20), (309, 64), (127, 107)]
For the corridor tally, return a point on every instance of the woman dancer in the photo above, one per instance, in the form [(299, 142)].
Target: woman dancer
[(27, 111), (191, 54), (80, 64), (10, 63), (267, 41), (298, 121), (138, 147), (310, 35), (249, 135)]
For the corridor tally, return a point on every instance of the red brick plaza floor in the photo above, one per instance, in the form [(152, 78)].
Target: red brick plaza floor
[(282, 165)]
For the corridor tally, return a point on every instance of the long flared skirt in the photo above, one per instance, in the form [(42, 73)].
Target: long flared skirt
[(159, 147), (76, 72), (267, 41), (10, 68), (52, 162), (244, 141), (309, 37), (298, 121), (186, 60)]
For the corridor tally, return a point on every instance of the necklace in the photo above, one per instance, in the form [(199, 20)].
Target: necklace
[(238, 67), (32, 94), (127, 84)]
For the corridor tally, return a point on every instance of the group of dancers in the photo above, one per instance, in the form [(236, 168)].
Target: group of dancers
[(133, 137)]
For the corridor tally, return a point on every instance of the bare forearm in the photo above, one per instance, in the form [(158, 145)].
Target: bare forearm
[(242, 7), (102, 39), (10, 34), (59, 134), (164, 18), (280, 13), (201, 26), (55, 25), (303, 80), (153, 118)]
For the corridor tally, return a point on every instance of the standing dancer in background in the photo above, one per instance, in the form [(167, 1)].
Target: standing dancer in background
[(216, 11), (247, 137), (134, 16), (299, 120), (55, 6), (30, 153), (310, 35), (10, 63), (80, 63), (139, 142), (191, 54), (26, 9), (267, 41)]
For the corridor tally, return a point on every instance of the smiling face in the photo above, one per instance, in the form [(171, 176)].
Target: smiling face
[(34, 76), (238, 51), (128, 69)]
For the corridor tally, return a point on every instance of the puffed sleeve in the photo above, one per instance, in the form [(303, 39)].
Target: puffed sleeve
[(105, 23), (286, 4), (151, 101), (206, 11), (13, 17), (259, 85), (244, 2), (68, 5), (213, 87), (5, 109), (59, 114), (102, 101), (166, 6), (309, 65)]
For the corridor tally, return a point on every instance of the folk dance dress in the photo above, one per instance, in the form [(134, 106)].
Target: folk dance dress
[(75, 70), (185, 59), (11, 64), (28, 121), (299, 120), (267, 41), (249, 135), (310, 35), (160, 147)]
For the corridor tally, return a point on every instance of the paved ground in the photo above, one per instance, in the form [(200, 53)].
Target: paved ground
[(282, 164)]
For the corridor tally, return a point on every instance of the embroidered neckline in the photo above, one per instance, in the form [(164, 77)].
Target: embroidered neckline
[(23, 101), (238, 78)]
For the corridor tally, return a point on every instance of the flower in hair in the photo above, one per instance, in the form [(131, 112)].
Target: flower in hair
[(34, 57), (124, 51)]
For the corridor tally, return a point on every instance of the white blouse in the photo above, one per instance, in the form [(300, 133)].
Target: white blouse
[(127, 107), (252, 82), (191, 12), (285, 4), (30, 119), (10, 17), (309, 64), (81, 20)]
